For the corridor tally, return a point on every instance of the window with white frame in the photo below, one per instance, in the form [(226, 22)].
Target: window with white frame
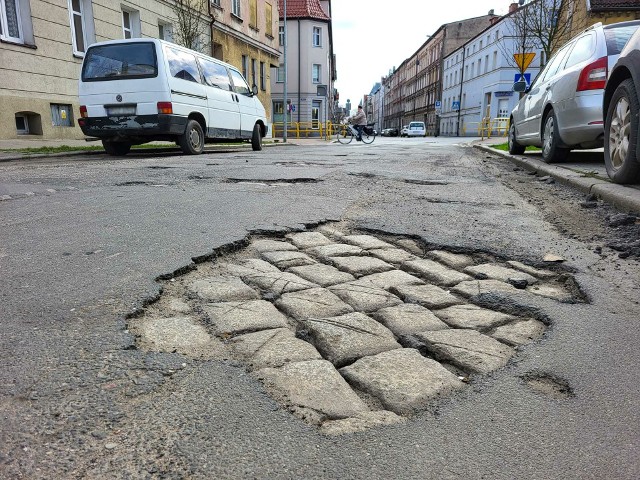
[(280, 78), (216, 2), (10, 21), (245, 66), (315, 73), (317, 36), (235, 7), (82, 27), (165, 31), (281, 35), (254, 73), (263, 76), (130, 23)]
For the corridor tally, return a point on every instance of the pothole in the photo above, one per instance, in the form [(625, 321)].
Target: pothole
[(348, 330), (277, 181), (549, 385)]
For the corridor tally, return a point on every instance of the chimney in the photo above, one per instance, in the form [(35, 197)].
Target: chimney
[(513, 7), (494, 20)]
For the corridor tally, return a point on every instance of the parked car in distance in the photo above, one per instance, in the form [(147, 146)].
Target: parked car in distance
[(417, 129), (390, 132), (138, 90), (404, 131), (621, 108), (562, 109)]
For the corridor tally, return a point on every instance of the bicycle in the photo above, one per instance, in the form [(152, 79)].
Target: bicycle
[(346, 133)]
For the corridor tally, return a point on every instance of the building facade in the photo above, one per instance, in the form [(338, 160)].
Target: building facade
[(42, 44), (310, 62)]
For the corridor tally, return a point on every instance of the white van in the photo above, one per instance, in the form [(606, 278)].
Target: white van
[(138, 90)]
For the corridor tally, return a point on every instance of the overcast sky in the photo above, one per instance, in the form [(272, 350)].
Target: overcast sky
[(391, 32)]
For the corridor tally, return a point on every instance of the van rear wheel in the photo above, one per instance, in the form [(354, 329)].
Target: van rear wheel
[(256, 138), (192, 140), (116, 149)]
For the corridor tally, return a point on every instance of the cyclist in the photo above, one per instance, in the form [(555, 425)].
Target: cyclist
[(359, 120)]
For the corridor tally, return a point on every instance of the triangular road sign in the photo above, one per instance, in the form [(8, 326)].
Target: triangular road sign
[(523, 60)]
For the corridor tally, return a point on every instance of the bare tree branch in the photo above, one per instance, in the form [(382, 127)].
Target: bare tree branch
[(192, 29)]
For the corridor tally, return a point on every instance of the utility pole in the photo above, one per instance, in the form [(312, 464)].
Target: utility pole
[(286, 104)]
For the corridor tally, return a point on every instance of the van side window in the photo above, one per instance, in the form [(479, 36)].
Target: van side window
[(182, 65), (215, 74), (239, 83)]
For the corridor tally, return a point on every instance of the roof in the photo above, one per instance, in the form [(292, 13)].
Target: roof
[(613, 5), (303, 9)]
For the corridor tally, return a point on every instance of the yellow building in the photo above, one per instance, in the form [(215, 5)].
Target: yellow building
[(42, 44), (584, 13)]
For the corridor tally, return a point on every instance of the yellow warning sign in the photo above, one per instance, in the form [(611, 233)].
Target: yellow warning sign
[(523, 60)]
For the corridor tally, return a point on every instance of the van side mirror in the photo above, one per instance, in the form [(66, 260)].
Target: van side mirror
[(520, 86), (254, 89)]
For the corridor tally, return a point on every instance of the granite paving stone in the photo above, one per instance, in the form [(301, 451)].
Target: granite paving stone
[(221, 289), (249, 267), (551, 290), (345, 338), (323, 275), (359, 266), (391, 278), (330, 231), (536, 272), (364, 296), (278, 283), (407, 318), (361, 422), (368, 242), (498, 272), (325, 252), (394, 256), (403, 380), (272, 348), (430, 296), (476, 287), (519, 333), (467, 349), (266, 245), (472, 316), (287, 259), (230, 318), (453, 260), (312, 390), (436, 272), (308, 239), (313, 302), (411, 245)]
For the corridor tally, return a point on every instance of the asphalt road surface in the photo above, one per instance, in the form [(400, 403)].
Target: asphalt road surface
[(88, 242)]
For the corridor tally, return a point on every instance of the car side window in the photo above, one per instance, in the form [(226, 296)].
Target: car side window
[(183, 65), (555, 63), (582, 50), (239, 83), (215, 75)]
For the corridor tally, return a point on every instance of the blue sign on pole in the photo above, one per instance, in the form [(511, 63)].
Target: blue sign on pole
[(455, 106), (518, 77)]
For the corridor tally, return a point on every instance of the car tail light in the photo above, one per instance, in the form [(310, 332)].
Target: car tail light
[(83, 111), (593, 76), (165, 107)]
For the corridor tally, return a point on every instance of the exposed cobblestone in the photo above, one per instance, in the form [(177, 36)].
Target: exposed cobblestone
[(297, 309)]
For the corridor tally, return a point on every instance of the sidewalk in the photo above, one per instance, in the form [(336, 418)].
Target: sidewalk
[(584, 171)]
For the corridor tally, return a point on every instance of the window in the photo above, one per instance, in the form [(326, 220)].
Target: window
[(216, 2), (317, 37), (61, 115), (182, 65), (280, 78), (118, 61), (10, 28), (554, 64), (268, 16), (315, 114), (253, 13), (582, 50), (235, 7), (130, 23), (278, 107), (486, 63), (281, 35), (77, 25), (165, 31), (239, 83), (315, 73), (254, 73), (215, 75), (495, 59), (22, 125), (245, 65), (263, 76)]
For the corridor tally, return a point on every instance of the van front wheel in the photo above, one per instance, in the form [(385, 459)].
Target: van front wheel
[(256, 138), (192, 140)]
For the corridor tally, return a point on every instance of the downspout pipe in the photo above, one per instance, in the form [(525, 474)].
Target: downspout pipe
[(299, 69), (464, 49)]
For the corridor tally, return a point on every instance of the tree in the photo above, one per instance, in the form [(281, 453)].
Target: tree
[(192, 28)]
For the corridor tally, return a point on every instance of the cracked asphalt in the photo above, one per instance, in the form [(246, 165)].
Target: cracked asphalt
[(88, 244)]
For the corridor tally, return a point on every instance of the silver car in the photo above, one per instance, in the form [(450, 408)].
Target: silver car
[(562, 110)]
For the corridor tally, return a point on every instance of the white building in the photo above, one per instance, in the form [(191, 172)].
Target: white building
[(478, 80)]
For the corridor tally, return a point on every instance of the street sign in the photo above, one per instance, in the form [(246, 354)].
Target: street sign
[(438, 107), (519, 77), (523, 60), (455, 106)]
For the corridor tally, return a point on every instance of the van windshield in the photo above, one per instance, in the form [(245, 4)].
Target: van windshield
[(120, 61)]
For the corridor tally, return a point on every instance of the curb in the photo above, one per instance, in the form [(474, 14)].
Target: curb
[(624, 198)]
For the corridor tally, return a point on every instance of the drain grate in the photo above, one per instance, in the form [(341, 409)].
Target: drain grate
[(349, 331)]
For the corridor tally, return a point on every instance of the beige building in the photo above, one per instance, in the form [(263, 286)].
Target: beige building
[(42, 44)]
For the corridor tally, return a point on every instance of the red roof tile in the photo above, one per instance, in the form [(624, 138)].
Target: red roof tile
[(303, 9), (613, 5)]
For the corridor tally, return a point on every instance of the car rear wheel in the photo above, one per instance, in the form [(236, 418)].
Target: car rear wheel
[(256, 138), (514, 147), (621, 139), (192, 140), (551, 151), (116, 149)]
